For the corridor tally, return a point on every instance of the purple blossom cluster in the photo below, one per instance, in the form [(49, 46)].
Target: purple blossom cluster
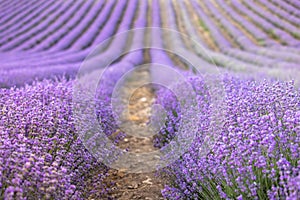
[(253, 153), (41, 154)]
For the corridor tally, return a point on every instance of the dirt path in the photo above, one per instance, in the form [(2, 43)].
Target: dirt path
[(137, 185)]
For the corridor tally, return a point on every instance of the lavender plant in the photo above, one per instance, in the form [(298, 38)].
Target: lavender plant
[(41, 155), (254, 154)]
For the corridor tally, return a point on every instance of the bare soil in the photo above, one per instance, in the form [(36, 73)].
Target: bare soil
[(137, 185)]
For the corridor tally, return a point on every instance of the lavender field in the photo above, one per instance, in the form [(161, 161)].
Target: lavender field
[(150, 99)]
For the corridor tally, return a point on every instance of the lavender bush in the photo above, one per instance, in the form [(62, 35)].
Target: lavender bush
[(41, 156), (254, 154)]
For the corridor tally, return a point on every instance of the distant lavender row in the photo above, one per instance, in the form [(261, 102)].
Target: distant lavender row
[(99, 23), (261, 36), (274, 19), (28, 33), (266, 25), (289, 59), (10, 8), (282, 13), (289, 8), (76, 32), (12, 27), (72, 21), (15, 14), (34, 41)]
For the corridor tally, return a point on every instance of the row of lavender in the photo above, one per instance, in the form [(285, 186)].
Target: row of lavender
[(252, 151), (42, 156)]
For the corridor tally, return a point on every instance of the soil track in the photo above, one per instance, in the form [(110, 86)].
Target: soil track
[(137, 185)]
